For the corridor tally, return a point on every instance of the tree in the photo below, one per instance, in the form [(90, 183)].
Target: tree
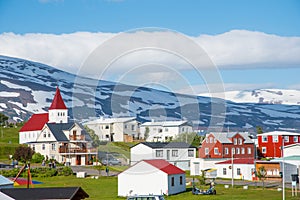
[(95, 138), (23, 154), (147, 131), (261, 174), (3, 119), (259, 130)]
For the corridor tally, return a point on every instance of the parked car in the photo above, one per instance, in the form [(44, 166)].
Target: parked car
[(111, 161), (146, 197)]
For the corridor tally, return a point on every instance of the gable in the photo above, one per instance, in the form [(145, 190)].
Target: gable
[(35, 123), (165, 166)]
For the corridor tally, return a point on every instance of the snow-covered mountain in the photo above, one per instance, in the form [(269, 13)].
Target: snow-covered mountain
[(27, 87), (262, 96)]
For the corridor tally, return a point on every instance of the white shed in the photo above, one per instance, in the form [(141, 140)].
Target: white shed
[(151, 177), (242, 169)]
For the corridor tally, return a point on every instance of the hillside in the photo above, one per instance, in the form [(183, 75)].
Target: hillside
[(28, 87)]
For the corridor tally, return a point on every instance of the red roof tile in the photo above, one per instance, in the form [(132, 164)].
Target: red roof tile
[(58, 102), (36, 122), (238, 161), (165, 166)]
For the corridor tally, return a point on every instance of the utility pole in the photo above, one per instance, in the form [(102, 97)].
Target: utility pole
[(283, 174), (232, 169)]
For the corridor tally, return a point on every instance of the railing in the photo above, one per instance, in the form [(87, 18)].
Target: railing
[(77, 137), (64, 149)]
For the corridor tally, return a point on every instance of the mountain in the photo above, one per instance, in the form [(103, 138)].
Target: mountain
[(262, 96), (28, 87)]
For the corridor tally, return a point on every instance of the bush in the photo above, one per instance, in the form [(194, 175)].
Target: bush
[(37, 158)]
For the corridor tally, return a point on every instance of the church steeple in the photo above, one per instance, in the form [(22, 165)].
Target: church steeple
[(58, 112)]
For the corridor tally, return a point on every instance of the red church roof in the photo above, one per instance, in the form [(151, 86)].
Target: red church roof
[(165, 166), (58, 102), (36, 122)]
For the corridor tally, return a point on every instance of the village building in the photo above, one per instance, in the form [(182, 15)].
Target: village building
[(123, 129), (227, 145), (177, 153), (270, 143), (164, 131), (241, 168), (155, 177), (52, 135)]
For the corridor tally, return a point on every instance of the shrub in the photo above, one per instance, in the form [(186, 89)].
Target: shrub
[(37, 158)]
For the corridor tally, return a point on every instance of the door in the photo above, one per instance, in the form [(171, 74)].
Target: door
[(78, 160)]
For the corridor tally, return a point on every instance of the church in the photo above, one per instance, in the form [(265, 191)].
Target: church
[(54, 136)]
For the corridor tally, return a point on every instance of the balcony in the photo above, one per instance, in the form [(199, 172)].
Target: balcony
[(77, 137), (65, 149)]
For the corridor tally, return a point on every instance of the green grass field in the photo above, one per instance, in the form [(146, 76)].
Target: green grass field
[(106, 188), (9, 141)]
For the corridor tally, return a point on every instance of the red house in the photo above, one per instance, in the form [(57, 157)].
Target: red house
[(224, 145), (270, 143)]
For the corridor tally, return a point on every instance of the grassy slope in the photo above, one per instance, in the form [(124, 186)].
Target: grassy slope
[(9, 140), (106, 188)]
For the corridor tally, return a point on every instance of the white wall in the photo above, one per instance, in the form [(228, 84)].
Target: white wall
[(291, 151), (28, 136), (142, 178), (140, 152), (246, 171)]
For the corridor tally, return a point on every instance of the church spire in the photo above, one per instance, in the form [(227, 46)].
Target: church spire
[(58, 102)]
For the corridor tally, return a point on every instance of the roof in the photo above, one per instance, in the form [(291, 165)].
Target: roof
[(165, 123), (72, 193), (224, 137), (164, 166), (111, 120), (294, 157), (5, 181), (160, 145), (291, 145), (58, 102), (244, 161), (284, 133), (35, 123)]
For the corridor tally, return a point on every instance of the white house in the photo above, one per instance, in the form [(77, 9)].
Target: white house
[(292, 150), (242, 169), (164, 131), (114, 129), (177, 153), (151, 177), (205, 164), (54, 137)]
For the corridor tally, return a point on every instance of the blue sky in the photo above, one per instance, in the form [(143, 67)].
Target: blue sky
[(278, 19)]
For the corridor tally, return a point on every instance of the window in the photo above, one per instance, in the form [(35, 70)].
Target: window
[(175, 153), (235, 141), (172, 181), (49, 135), (191, 153), (226, 151), (238, 171), (166, 129), (132, 127), (240, 141), (242, 150), (159, 153), (53, 147), (125, 126), (180, 180), (182, 129), (224, 171), (249, 150), (275, 138), (206, 151), (206, 139), (286, 138), (216, 151), (45, 135), (43, 146), (33, 147), (264, 149), (106, 127), (232, 150), (237, 150), (295, 139), (211, 140), (264, 138)]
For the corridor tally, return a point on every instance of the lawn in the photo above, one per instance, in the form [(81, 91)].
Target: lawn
[(9, 141), (106, 188)]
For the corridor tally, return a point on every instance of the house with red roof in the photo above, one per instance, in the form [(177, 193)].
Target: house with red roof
[(155, 177), (52, 135), (240, 168)]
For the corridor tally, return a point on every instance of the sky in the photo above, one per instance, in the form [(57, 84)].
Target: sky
[(250, 44)]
